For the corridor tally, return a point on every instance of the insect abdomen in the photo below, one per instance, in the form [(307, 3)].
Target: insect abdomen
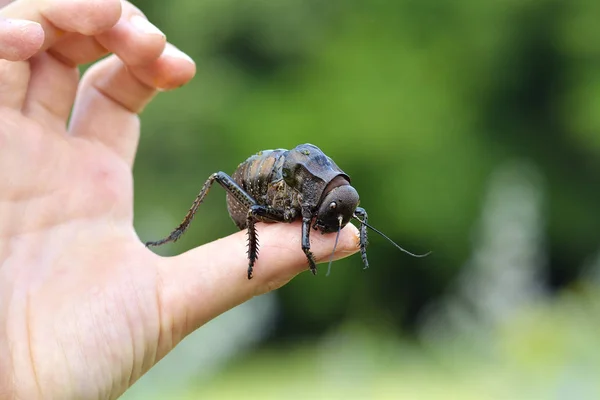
[(255, 175)]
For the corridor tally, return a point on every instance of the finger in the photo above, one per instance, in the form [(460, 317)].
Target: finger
[(12, 90), (111, 95), (172, 70), (55, 17), (106, 107), (52, 88), (207, 281), (134, 39), (19, 39)]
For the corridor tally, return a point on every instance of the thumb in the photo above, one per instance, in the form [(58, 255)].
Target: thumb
[(209, 280)]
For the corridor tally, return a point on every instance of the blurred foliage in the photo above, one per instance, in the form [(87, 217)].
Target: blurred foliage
[(419, 102)]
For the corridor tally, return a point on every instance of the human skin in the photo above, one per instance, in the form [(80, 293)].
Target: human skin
[(85, 307)]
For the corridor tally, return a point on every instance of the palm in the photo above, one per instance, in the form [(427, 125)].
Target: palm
[(77, 226)]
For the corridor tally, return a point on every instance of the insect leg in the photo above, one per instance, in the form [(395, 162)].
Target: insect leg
[(362, 214), (306, 244), (228, 184), (256, 213)]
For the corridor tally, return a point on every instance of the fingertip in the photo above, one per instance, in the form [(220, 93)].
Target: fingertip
[(183, 68), (171, 70), (20, 39), (134, 39), (349, 243)]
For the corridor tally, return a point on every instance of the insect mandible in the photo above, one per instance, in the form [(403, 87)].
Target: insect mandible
[(283, 186)]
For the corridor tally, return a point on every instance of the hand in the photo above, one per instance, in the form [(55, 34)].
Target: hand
[(85, 308)]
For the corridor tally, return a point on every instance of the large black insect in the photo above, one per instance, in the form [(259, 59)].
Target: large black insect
[(283, 186)]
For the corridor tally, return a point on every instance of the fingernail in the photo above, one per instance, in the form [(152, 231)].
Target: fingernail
[(172, 51), (144, 26), (163, 83)]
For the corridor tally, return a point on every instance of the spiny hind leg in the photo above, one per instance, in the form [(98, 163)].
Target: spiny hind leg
[(258, 213)]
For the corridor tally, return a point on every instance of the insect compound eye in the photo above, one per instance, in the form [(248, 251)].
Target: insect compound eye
[(332, 205)]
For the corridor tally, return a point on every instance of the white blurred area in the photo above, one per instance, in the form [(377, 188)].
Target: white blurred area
[(504, 272)]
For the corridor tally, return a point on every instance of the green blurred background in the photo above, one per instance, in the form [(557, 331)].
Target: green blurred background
[(470, 128)]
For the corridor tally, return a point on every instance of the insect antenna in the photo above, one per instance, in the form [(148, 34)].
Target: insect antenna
[(337, 236), (390, 240)]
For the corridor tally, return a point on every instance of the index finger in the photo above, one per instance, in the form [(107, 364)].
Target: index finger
[(204, 282), (88, 17)]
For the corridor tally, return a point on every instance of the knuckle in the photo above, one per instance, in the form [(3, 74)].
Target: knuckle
[(88, 17)]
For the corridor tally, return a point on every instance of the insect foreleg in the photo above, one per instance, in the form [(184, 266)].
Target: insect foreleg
[(361, 213), (228, 184), (306, 243)]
